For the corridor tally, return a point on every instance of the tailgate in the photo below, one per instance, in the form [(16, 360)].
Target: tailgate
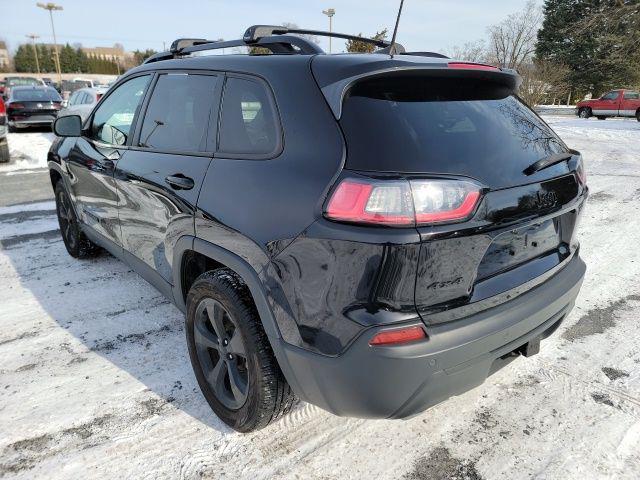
[(518, 238)]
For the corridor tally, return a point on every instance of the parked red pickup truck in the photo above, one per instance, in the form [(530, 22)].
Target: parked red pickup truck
[(616, 103)]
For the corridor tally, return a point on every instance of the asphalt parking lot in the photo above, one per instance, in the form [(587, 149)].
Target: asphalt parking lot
[(96, 381)]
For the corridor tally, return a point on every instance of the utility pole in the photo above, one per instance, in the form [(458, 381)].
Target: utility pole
[(330, 12), (51, 7), (33, 37)]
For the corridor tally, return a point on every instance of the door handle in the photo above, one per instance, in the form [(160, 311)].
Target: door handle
[(179, 182)]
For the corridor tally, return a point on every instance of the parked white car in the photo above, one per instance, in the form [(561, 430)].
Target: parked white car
[(82, 101)]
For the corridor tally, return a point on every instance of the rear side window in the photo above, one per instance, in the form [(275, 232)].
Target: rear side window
[(467, 127), (248, 122), (177, 117), (631, 95)]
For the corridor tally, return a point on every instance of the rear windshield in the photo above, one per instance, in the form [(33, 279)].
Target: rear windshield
[(36, 95), (436, 125)]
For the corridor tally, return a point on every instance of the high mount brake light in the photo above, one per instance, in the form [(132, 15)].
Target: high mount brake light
[(471, 66), (398, 336), (402, 203)]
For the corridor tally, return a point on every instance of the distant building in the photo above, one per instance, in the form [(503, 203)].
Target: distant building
[(4, 55), (115, 53)]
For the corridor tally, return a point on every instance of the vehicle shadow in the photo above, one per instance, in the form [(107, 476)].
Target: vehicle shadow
[(105, 309)]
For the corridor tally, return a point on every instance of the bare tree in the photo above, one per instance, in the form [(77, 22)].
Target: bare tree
[(543, 81), (470, 52), (512, 42)]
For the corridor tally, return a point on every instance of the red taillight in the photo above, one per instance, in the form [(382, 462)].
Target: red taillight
[(383, 203), (15, 106), (98, 97), (3, 110), (398, 336), (471, 66), (402, 202)]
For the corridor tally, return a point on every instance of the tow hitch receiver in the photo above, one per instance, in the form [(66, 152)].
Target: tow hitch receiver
[(530, 348)]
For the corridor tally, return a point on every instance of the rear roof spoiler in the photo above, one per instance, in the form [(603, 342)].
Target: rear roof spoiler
[(335, 89)]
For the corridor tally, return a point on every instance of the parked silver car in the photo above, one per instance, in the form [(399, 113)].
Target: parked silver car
[(82, 101)]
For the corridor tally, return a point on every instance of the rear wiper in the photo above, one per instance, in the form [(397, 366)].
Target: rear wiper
[(547, 162)]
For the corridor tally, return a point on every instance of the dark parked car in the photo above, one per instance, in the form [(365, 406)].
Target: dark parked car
[(11, 82), (4, 146), (32, 107), (371, 233)]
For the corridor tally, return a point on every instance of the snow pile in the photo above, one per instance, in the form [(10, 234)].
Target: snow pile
[(28, 151)]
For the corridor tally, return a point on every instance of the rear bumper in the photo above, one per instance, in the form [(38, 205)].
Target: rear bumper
[(400, 381), (42, 120)]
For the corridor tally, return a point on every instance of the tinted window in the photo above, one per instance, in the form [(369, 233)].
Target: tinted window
[(112, 121), (248, 124), (431, 125), (610, 96), (36, 95), (631, 95), (178, 114)]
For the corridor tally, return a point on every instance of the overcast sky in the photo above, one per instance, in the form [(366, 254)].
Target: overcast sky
[(434, 25)]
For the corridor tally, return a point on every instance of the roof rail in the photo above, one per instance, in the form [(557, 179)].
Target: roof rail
[(277, 39)]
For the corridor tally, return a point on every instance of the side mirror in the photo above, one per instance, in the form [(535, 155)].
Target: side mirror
[(68, 126)]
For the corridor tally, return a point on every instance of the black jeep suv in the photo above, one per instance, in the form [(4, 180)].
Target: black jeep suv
[(371, 233)]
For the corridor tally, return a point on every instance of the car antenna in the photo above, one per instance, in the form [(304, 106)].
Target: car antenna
[(392, 49)]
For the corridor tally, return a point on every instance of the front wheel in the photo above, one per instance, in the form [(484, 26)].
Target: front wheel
[(231, 354), (76, 243), (584, 113)]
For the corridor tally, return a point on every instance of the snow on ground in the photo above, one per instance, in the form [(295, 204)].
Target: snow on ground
[(95, 380), (28, 150)]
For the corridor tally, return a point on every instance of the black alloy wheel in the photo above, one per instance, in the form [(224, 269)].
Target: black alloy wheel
[(222, 353), (76, 243), (231, 354)]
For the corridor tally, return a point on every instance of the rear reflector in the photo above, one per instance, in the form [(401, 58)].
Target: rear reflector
[(402, 203), (398, 336), (472, 66)]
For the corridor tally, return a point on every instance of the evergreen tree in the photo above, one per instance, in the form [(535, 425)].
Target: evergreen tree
[(596, 39), (356, 46)]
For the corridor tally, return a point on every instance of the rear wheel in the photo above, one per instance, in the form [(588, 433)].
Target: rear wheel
[(77, 244), (584, 112), (231, 355), (4, 151), (601, 117), (638, 115)]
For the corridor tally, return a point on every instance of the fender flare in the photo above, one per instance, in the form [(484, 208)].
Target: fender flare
[(235, 263)]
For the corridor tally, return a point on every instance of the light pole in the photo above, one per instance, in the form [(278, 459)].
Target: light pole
[(330, 12), (51, 7), (33, 37)]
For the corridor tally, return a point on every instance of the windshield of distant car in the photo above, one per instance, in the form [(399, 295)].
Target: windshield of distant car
[(14, 82), (35, 95)]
